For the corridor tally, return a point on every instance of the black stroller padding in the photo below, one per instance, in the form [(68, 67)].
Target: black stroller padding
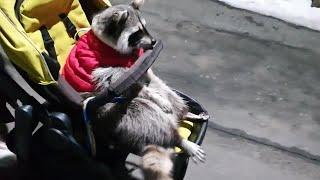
[(52, 152), (57, 155)]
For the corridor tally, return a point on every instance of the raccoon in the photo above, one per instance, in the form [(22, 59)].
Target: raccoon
[(152, 110), (156, 163)]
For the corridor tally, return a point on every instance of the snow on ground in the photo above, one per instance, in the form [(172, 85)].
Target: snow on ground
[(297, 12)]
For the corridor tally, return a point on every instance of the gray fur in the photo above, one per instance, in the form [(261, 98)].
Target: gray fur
[(149, 117), (156, 163)]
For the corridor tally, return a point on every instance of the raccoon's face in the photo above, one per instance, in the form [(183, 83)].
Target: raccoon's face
[(122, 27)]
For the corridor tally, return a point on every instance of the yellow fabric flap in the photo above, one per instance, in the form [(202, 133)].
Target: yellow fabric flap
[(19, 48), (184, 131), (35, 14), (21, 38), (102, 3)]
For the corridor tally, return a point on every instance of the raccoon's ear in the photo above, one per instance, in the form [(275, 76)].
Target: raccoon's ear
[(136, 4)]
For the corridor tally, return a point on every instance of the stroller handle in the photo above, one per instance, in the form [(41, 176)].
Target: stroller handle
[(140, 67)]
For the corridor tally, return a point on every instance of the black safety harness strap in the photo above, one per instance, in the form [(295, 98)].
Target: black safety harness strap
[(71, 28), (50, 59), (48, 42)]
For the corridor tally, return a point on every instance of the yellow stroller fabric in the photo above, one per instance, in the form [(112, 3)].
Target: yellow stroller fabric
[(22, 40)]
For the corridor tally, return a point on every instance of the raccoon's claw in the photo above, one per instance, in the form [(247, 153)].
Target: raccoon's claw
[(204, 116), (194, 117), (166, 107), (194, 150), (200, 155)]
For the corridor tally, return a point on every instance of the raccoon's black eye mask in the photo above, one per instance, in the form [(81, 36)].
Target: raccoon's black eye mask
[(116, 25), (135, 38)]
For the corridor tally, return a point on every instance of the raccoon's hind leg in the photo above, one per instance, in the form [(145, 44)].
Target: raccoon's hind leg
[(194, 150)]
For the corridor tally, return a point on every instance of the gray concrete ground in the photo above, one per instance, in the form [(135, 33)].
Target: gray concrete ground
[(231, 158), (252, 72)]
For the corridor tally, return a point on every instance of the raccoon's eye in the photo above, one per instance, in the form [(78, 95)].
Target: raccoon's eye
[(115, 14)]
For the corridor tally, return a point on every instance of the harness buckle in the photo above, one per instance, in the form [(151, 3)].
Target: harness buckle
[(119, 99)]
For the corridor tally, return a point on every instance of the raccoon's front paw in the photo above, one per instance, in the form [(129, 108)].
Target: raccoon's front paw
[(194, 150)]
